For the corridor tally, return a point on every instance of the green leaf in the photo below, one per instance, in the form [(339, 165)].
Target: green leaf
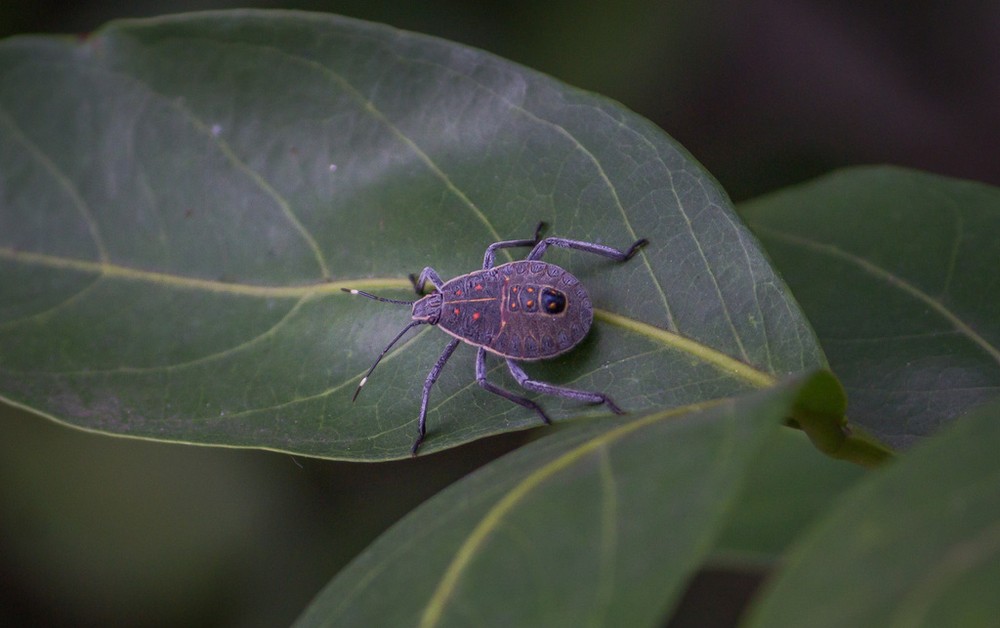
[(897, 271), (598, 524), (917, 544), (788, 488), (183, 198)]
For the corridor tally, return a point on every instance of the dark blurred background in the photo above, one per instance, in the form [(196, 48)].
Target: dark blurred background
[(765, 93)]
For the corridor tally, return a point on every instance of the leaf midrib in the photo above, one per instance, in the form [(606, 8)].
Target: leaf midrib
[(704, 353), (447, 584), (727, 364)]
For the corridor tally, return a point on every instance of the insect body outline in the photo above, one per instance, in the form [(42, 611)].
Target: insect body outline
[(523, 310)]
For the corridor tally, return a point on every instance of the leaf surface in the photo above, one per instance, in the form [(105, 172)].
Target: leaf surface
[(184, 197), (897, 271), (916, 544), (788, 488), (598, 524)]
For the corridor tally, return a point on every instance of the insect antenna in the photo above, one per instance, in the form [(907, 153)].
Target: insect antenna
[(364, 380), (369, 295), (373, 297)]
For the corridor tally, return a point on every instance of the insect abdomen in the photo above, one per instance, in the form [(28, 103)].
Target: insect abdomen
[(545, 311)]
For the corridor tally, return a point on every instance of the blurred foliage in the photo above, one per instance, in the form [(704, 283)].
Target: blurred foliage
[(97, 530)]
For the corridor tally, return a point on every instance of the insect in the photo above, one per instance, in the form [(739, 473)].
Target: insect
[(521, 311)]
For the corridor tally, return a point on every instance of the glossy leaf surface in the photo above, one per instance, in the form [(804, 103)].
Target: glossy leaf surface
[(183, 198), (599, 524), (918, 544), (897, 271), (790, 485)]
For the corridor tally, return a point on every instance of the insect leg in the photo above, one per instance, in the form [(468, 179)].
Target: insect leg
[(427, 274), (481, 378), (551, 389), (589, 247), (491, 250), (428, 383)]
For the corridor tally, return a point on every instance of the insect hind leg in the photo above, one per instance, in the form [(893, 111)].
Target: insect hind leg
[(496, 390), (560, 391), (587, 247)]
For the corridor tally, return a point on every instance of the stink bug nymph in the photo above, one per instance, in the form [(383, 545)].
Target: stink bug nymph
[(523, 310)]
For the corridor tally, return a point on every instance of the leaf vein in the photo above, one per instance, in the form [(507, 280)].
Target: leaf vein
[(890, 278), (257, 178), (61, 179), (578, 145), (448, 583), (369, 107)]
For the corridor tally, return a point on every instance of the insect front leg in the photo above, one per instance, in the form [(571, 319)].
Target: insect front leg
[(560, 391), (491, 250), (427, 274), (428, 384), (496, 390), (588, 247)]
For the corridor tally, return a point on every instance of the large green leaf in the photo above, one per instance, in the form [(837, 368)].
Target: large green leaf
[(599, 524), (918, 544), (181, 200), (897, 271), (789, 486)]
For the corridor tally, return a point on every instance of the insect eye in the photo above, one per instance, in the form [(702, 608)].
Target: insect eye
[(553, 301)]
